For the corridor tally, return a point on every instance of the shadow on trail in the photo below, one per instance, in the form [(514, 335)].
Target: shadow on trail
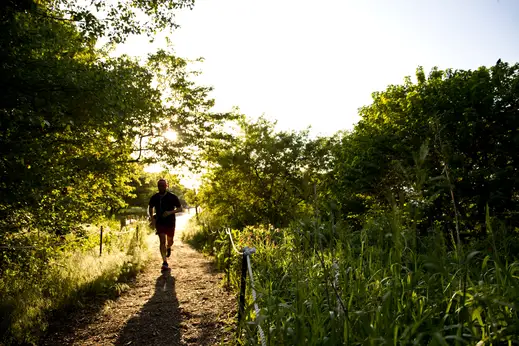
[(158, 322), (64, 322)]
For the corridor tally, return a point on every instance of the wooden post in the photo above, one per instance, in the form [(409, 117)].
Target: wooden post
[(101, 241), (229, 264), (241, 307), (137, 234)]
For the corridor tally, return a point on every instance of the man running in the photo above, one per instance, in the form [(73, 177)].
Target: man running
[(166, 205)]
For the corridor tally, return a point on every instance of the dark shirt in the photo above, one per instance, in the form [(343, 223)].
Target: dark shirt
[(164, 203)]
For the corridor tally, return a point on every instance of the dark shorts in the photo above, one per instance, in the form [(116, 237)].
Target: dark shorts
[(168, 230)]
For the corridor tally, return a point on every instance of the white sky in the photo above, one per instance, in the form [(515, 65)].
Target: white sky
[(314, 63)]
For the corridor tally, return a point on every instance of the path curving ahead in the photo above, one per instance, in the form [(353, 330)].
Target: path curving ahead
[(188, 307)]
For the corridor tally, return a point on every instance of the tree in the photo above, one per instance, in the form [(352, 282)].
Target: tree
[(115, 20), (454, 128), (262, 177), (75, 124)]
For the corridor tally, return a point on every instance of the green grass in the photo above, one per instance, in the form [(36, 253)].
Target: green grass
[(198, 237), (58, 273), (382, 285)]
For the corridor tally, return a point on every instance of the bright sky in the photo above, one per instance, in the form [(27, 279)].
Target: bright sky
[(314, 63)]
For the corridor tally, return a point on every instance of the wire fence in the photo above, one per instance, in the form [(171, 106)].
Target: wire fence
[(125, 229), (247, 267)]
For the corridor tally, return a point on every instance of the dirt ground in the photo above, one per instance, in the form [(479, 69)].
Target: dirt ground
[(186, 306)]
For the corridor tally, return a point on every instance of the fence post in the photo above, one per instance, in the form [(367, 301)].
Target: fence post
[(241, 308), (101, 241), (137, 234), (229, 264)]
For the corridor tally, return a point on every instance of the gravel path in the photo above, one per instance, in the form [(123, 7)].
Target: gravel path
[(187, 306)]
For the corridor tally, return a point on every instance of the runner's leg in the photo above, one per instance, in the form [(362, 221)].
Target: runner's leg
[(169, 244), (162, 238), (170, 239)]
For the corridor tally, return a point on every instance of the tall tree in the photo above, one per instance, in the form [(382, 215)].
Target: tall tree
[(74, 123)]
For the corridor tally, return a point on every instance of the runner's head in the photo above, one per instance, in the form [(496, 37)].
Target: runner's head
[(162, 184)]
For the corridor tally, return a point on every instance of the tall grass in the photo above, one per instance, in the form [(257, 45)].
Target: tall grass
[(324, 285), (56, 273)]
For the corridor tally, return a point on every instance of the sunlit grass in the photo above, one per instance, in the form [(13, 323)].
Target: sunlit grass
[(376, 286), (198, 237), (59, 277)]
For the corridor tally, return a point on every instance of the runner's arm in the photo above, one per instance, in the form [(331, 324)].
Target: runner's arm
[(174, 211), (177, 209), (150, 212)]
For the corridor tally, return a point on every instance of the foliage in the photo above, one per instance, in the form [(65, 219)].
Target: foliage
[(350, 230), (409, 235), (455, 129), (187, 113), (57, 273), (199, 237), (76, 126), (328, 284), (115, 20), (75, 123), (263, 176), (191, 197)]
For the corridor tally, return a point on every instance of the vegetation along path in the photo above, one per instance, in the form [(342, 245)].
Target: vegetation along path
[(188, 307)]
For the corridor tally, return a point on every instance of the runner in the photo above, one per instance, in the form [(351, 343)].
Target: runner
[(166, 205)]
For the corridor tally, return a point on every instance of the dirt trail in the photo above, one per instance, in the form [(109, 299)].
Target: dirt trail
[(187, 307)]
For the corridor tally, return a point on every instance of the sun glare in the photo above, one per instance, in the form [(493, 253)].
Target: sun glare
[(190, 183), (170, 135)]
